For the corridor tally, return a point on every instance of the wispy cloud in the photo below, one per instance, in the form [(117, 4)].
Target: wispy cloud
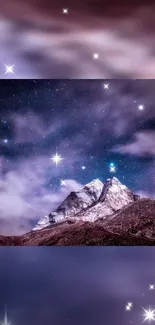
[(24, 196), (45, 44), (141, 145), (30, 127)]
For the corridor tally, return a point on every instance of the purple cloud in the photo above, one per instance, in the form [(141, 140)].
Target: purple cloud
[(24, 196), (43, 43), (142, 145)]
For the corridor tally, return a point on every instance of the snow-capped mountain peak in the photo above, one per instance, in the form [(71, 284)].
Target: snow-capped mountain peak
[(74, 203), (95, 200)]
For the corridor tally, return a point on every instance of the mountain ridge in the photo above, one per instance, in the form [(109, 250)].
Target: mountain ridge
[(83, 204), (100, 214)]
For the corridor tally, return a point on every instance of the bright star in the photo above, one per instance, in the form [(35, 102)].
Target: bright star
[(9, 69), (65, 11), (149, 314), (5, 141), (112, 169), (151, 287), (83, 167), (63, 182), (128, 306), (140, 107), (56, 158), (95, 56), (106, 86)]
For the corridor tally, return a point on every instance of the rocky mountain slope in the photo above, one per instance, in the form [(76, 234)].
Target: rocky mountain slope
[(137, 218)]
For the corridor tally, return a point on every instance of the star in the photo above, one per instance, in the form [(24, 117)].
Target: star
[(95, 56), (149, 314), (5, 140), (9, 69), (83, 167), (65, 11), (112, 169), (63, 183), (151, 287), (140, 107), (128, 306), (106, 86), (56, 158)]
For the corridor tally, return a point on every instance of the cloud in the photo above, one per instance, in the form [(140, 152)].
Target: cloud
[(28, 189), (142, 145), (144, 194), (43, 44), (24, 196), (29, 127)]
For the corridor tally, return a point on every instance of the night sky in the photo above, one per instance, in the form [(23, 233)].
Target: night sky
[(40, 41), (98, 133), (72, 286)]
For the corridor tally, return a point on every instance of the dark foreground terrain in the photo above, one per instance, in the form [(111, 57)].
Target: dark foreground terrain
[(133, 225)]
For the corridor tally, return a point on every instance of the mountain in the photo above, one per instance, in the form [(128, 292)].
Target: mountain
[(82, 233), (99, 214), (73, 204), (93, 201)]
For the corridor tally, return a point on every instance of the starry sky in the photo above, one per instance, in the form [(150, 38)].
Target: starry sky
[(41, 41), (99, 129), (80, 285)]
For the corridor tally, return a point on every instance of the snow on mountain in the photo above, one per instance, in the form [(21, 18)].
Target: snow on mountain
[(42, 223), (74, 203), (114, 196), (95, 200)]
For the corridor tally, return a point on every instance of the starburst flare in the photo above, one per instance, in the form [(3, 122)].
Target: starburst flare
[(140, 107), (128, 306), (9, 69), (95, 56), (62, 182), (149, 314), (65, 11), (112, 169), (56, 159)]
